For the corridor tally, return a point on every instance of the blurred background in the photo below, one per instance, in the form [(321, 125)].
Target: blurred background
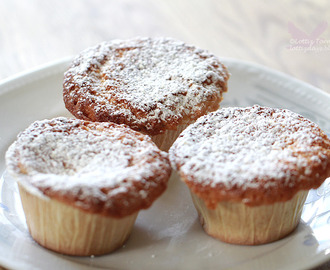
[(35, 32)]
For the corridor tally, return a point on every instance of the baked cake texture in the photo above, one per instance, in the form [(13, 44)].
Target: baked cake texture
[(154, 85), (83, 183), (249, 170)]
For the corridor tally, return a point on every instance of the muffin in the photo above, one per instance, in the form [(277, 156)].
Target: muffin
[(249, 171), (154, 85), (83, 183)]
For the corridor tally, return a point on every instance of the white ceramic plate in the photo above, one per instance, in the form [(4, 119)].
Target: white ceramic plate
[(168, 235)]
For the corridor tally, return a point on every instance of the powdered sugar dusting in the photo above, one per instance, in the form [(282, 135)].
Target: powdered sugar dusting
[(89, 160), (238, 147), (160, 77)]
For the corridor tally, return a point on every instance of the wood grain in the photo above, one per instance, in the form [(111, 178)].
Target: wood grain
[(35, 32)]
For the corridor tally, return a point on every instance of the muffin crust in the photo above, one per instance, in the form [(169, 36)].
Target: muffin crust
[(255, 155), (150, 84), (100, 168)]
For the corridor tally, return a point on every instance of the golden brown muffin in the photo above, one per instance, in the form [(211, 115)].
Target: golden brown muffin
[(83, 183), (249, 170), (154, 85)]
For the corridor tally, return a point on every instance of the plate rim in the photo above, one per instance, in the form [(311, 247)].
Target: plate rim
[(33, 74), (49, 68)]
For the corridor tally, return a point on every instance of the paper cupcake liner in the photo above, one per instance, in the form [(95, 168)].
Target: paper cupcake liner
[(68, 230), (238, 223), (165, 140)]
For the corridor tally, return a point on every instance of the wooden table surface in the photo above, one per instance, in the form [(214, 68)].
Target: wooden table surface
[(292, 36)]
